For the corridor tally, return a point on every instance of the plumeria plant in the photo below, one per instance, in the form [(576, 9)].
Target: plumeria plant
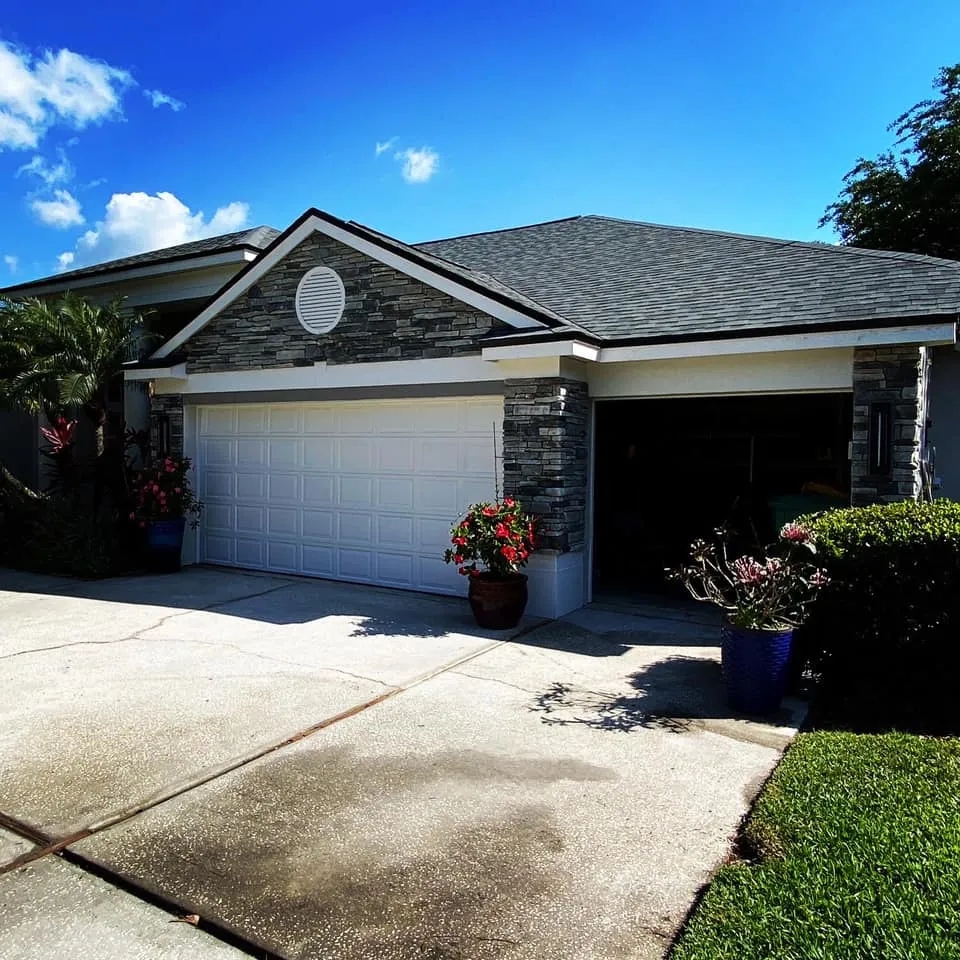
[(493, 538), (770, 593), (162, 492)]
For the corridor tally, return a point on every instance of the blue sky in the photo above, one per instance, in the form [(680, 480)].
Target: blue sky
[(740, 116)]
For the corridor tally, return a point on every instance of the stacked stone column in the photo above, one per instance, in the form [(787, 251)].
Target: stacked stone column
[(545, 454), (898, 376)]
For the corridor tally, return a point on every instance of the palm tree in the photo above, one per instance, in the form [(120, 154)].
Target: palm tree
[(63, 354)]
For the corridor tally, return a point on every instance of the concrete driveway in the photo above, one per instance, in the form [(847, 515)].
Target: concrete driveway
[(338, 771)]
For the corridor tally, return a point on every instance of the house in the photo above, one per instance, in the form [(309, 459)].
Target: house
[(344, 395)]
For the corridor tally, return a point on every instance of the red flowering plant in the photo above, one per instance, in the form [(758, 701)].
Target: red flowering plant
[(496, 536), (773, 592), (162, 492)]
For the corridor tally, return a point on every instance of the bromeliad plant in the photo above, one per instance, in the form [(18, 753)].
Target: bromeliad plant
[(499, 537), (771, 593), (162, 492)]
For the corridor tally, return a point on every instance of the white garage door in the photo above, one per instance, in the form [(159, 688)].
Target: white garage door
[(363, 491)]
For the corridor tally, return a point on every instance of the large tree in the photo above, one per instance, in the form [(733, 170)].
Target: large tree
[(909, 197)]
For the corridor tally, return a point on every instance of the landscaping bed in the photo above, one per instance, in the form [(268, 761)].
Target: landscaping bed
[(851, 851)]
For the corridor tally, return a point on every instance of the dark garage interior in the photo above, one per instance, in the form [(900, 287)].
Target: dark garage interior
[(671, 470)]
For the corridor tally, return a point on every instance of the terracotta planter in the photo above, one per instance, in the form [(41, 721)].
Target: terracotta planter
[(498, 602)]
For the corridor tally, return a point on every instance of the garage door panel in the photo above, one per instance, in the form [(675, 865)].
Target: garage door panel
[(395, 493), (355, 491), (439, 455), (319, 453), (355, 564), (395, 531), (284, 453), (283, 487), (355, 454), (251, 486), (359, 491), (438, 496), (282, 555), (251, 553), (217, 420), (319, 561), (249, 519), (283, 418), (251, 453), (319, 490), (283, 521), (395, 569), (397, 454), (217, 452), (355, 528), (319, 524)]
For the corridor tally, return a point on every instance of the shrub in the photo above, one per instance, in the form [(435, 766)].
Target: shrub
[(497, 536), (883, 635)]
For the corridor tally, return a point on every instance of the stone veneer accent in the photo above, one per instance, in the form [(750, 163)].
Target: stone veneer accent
[(545, 456), (170, 404), (897, 375), (388, 316)]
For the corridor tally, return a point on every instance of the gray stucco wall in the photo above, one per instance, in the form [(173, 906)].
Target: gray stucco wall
[(944, 414), (388, 316)]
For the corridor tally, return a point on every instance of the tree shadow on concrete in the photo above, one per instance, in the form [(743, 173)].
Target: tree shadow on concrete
[(678, 694)]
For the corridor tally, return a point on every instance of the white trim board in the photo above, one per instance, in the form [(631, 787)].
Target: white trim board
[(314, 224), (930, 333)]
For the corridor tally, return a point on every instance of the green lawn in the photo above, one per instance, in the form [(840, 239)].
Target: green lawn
[(857, 846)]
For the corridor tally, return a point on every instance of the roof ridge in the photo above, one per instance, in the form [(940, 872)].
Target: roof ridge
[(822, 245), (487, 233)]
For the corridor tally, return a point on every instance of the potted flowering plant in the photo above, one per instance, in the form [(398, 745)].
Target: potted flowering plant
[(163, 501), (490, 545), (764, 600)]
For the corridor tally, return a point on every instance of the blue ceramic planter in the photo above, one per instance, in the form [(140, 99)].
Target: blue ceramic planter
[(755, 667), (165, 544)]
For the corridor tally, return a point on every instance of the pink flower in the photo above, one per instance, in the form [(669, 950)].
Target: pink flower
[(748, 571), (795, 533), (819, 578), (176, 489), (133, 516)]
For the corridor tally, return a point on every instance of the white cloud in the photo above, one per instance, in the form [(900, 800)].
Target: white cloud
[(418, 165), (137, 222), (65, 260), (60, 172), (384, 146), (11, 262), (160, 99), (63, 87), (62, 211)]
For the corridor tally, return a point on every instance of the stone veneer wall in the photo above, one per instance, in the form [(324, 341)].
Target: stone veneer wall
[(388, 316), (170, 404), (545, 456), (897, 375)]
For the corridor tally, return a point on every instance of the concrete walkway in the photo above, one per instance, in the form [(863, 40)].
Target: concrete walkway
[(337, 771)]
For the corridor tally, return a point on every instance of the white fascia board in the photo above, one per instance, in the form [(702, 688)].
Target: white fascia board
[(139, 273), (321, 376), (387, 257), (933, 333), (155, 373), (554, 348)]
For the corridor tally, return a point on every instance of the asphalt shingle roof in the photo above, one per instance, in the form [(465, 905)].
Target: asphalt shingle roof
[(622, 279), (256, 238)]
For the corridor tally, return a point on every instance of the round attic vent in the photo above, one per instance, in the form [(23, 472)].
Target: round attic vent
[(320, 300)]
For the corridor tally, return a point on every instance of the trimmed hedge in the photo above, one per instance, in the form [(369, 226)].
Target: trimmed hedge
[(883, 637)]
